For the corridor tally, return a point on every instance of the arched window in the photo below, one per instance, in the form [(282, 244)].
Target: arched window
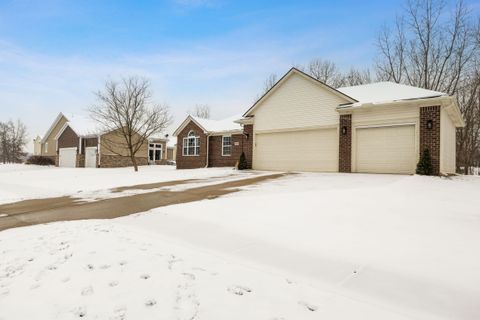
[(191, 144)]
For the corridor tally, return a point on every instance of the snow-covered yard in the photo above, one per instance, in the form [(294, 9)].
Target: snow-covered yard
[(308, 246), (21, 182)]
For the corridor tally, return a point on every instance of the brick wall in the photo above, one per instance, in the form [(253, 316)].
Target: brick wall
[(248, 143), (430, 138), (190, 162), (115, 161), (345, 144), (215, 158)]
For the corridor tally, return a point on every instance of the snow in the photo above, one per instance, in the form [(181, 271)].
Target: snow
[(21, 182), (308, 246), (386, 92), (83, 125), (227, 124)]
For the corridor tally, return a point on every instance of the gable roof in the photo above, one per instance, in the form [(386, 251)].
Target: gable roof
[(382, 92), (212, 126), (287, 75), (81, 125), (54, 124)]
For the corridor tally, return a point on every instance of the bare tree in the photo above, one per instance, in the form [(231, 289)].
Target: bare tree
[(354, 77), (269, 82), (126, 112), (201, 111), (13, 138), (325, 71), (427, 50)]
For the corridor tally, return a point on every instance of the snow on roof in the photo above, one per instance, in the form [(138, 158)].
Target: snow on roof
[(387, 91), (227, 124), (83, 125)]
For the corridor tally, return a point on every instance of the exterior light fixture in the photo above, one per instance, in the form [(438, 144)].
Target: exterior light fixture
[(344, 130), (429, 124)]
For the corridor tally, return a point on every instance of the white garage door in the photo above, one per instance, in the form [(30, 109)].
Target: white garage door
[(386, 149), (312, 150), (91, 157), (67, 157)]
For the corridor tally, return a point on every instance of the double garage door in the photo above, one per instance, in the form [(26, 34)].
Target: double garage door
[(309, 150), (378, 150)]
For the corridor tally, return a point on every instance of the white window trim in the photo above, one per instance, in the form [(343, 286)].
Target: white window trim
[(46, 147), (195, 146), (223, 145), (156, 146)]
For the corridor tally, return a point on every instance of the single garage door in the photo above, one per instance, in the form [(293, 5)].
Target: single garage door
[(91, 157), (310, 150), (67, 157), (386, 149)]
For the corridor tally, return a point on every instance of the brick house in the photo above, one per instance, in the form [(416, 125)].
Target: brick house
[(302, 124), (212, 143), (77, 142)]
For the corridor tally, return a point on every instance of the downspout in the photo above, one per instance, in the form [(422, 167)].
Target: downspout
[(208, 143), (98, 151)]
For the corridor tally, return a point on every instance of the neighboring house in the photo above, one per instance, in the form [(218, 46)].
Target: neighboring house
[(302, 124), (37, 146), (171, 149), (48, 142), (79, 143), (210, 143)]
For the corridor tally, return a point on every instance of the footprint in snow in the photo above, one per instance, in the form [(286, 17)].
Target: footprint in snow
[(310, 307), (150, 303), (119, 313), (122, 263), (191, 276), (239, 290), (113, 284), (80, 312), (105, 266), (145, 276), (52, 267), (90, 267), (87, 291)]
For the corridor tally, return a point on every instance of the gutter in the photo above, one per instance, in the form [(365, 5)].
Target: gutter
[(208, 143)]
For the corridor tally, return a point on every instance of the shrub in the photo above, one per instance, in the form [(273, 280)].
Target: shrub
[(242, 164), (40, 161), (424, 166)]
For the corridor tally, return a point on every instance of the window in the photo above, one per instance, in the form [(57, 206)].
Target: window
[(155, 152), (46, 147), (191, 145), (226, 146)]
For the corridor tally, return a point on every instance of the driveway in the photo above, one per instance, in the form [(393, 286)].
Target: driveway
[(30, 212)]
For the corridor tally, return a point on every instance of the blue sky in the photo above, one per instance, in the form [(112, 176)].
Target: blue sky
[(54, 54)]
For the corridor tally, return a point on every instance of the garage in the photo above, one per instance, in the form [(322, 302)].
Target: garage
[(67, 157), (388, 149), (306, 150)]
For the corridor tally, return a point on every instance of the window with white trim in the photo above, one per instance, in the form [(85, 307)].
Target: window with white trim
[(191, 145), (154, 152), (46, 147), (226, 145)]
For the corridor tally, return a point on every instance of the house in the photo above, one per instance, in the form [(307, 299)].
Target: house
[(79, 143), (302, 124), (210, 143)]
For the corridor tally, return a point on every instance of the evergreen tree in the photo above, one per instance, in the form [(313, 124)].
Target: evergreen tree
[(424, 166), (243, 164)]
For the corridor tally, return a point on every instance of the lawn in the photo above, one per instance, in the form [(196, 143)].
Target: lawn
[(307, 246)]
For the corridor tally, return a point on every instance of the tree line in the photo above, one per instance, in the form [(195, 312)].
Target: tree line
[(13, 138), (430, 46)]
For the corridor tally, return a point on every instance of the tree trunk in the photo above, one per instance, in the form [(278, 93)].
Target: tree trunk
[(134, 162)]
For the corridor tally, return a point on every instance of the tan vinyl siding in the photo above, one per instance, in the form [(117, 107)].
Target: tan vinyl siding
[(447, 143), (384, 116), (52, 149), (297, 103), (113, 143)]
